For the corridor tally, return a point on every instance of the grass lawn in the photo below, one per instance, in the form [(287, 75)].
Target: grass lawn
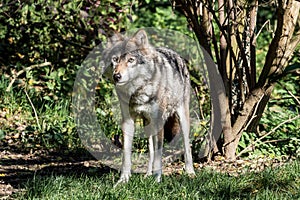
[(272, 183)]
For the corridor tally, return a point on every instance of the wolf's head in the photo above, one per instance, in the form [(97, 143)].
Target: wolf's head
[(128, 57)]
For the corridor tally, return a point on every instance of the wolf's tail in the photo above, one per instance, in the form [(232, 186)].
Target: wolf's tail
[(171, 128)]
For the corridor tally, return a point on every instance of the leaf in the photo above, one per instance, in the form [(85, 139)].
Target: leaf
[(291, 68), (47, 98), (61, 71), (50, 85), (2, 134), (288, 70)]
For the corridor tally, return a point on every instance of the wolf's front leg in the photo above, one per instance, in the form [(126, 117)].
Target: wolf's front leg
[(158, 147), (151, 156), (128, 132)]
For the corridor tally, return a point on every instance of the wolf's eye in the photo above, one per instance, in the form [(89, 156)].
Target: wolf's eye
[(115, 59), (131, 60)]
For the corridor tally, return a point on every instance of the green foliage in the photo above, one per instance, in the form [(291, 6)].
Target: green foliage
[(159, 14), (61, 33), (107, 109), (284, 134), (42, 44), (30, 126)]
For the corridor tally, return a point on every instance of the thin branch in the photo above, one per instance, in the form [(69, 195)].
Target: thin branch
[(262, 27), (296, 99), (34, 110), (253, 116), (279, 140), (265, 135), (186, 7), (199, 101), (15, 76), (290, 93)]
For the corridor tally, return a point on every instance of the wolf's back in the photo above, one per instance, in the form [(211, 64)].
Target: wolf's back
[(176, 61), (179, 65)]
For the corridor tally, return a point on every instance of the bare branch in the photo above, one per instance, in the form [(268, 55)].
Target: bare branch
[(187, 8), (262, 27), (280, 49), (15, 76), (252, 35), (34, 110), (265, 135)]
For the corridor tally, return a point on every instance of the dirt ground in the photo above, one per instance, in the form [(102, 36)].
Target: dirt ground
[(16, 168)]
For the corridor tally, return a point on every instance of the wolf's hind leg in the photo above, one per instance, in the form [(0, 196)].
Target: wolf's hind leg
[(158, 147), (183, 113)]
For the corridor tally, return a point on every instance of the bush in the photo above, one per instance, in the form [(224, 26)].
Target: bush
[(42, 44)]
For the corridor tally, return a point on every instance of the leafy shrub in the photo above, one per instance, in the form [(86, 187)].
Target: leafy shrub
[(42, 44), (61, 33), (279, 133)]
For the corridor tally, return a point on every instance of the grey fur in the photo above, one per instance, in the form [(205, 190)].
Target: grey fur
[(153, 84)]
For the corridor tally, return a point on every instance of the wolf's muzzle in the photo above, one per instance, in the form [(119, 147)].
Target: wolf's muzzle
[(117, 77)]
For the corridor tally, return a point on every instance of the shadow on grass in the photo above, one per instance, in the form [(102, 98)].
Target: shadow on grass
[(17, 168), (58, 175)]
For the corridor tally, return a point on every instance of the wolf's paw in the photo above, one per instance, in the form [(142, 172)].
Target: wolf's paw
[(157, 175), (148, 173), (157, 178), (191, 172), (191, 175), (123, 179)]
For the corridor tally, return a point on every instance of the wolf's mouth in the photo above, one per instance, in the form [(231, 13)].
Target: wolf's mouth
[(120, 83)]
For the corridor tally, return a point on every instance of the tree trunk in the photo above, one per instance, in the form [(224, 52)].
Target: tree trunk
[(256, 100), (278, 55), (234, 52)]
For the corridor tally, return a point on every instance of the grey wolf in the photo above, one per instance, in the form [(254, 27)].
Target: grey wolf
[(152, 84)]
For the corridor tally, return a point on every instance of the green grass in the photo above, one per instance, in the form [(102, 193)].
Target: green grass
[(272, 183)]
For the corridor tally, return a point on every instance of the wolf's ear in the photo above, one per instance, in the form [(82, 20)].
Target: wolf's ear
[(140, 38), (117, 37)]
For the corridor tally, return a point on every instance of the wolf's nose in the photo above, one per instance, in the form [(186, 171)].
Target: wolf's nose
[(117, 77)]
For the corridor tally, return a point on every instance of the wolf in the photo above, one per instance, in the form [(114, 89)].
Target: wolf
[(152, 84)]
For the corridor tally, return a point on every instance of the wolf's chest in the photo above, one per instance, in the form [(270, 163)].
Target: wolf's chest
[(141, 104), (148, 107)]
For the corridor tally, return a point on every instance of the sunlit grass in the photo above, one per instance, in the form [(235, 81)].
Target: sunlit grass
[(273, 183)]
